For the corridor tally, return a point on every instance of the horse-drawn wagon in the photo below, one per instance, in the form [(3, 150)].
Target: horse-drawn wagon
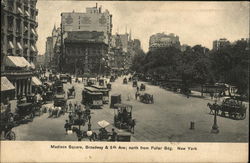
[(7, 123), (146, 98), (134, 83), (115, 99), (125, 81), (230, 108), (59, 105), (142, 87), (123, 117), (24, 113), (71, 93)]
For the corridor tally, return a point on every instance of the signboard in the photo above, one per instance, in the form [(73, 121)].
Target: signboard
[(86, 22)]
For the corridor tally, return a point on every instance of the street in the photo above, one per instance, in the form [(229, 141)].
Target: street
[(167, 120)]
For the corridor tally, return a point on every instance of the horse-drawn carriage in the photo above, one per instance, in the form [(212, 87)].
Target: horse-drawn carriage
[(24, 113), (112, 79), (142, 87), (125, 81), (59, 105), (115, 99), (7, 123), (134, 83), (36, 103), (109, 86), (123, 117), (230, 108), (71, 92), (146, 98), (48, 95)]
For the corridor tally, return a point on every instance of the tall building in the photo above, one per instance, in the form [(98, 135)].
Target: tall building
[(50, 46), (40, 60), (123, 49), (161, 40), (18, 44), (94, 19), (218, 44), (85, 52)]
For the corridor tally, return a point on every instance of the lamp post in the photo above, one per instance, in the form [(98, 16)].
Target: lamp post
[(215, 128)]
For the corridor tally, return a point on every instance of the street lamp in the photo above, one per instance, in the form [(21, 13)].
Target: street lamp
[(215, 128)]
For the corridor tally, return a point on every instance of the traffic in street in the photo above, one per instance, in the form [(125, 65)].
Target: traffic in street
[(167, 119)]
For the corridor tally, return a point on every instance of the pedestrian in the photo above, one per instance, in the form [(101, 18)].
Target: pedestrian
[(113, 135), (70, 117), (75, 107), (70, 106), (66, 126), (80, 107), (137, 88)]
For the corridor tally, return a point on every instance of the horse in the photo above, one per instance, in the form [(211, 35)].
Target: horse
[(131, 124), (213, 107)]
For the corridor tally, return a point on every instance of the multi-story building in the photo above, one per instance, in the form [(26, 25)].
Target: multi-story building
[(93, 20), (50, 46), (84, 52), (123, 49), (218, 44), (161, 40), (18, 43), (40, 60)]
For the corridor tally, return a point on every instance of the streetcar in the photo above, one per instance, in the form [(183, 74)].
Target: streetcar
[(104, 91), (92, 97)]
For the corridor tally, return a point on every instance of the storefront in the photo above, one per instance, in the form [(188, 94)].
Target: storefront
[(18, 71), (7, 90), (36, 83)]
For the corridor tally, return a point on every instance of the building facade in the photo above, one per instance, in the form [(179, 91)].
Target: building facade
[(84, 53), (161, 40), (50, 46), (123, 49), (94, 19), (40, 60), (18, 43)]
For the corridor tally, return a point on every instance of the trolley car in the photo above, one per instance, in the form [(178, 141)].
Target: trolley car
[(92, 97), (104, 91)]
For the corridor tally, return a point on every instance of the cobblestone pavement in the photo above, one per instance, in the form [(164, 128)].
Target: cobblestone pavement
[(168, 119)]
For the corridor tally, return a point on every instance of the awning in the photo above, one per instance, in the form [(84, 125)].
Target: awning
[(32, 65), (27, 13), (19, 46), (35, 81), (33, 31), (33, 48), (6, 84), (11, 45), (16, 61), (19, 10)]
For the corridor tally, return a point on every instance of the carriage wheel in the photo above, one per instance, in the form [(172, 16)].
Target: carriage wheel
[(10, 135), (238, 116), (242, 116)]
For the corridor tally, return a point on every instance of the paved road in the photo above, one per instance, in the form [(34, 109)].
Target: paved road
[(168, 119)]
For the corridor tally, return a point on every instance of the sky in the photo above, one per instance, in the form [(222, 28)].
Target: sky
[(194, 22)]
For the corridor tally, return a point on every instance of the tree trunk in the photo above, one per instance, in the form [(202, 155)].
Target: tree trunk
[(201, 90)]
